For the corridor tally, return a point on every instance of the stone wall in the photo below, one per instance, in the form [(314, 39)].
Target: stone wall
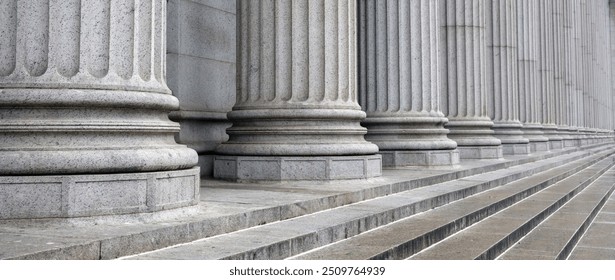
[(201, 72)]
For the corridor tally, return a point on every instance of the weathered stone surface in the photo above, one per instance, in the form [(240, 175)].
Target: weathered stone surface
[(399, 81), (298, 99), (201, 72), (75, 113), (502, 75), (97, 194), (464, 90), (245, 168)]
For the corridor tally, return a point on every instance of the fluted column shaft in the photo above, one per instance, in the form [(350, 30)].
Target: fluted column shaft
[(463, 88), (546, 78), (502, 75), (559, 66), (611, 100), (565, 127), (530, 99), (398, 82), (296, 89), (577, 71), (588, 98), (78, 79), (84, 110)]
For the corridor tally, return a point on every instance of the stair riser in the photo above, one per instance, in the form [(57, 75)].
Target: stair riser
[(327, 236), (516, 235), (577, 236), (409, 248)]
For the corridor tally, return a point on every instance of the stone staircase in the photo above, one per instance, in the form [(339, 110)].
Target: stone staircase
[(531, 208)]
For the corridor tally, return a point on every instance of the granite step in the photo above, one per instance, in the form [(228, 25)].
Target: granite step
[(406, 237), (598, 243), (526, 221), (556, 237), (290, 237), (227, 207)]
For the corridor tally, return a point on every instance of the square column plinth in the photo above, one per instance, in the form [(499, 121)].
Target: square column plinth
[(68, 196), (270, 168), (419, 158)]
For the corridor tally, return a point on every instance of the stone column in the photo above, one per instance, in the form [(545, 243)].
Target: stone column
[(577, 71), (588, 98), (585, 38), (566, 128), (611, 62), (502, 76), (398, 82), (296, 116), (606, 73), (530, 100), (559, 63), (84, 109), (463, 88), (546, 76)]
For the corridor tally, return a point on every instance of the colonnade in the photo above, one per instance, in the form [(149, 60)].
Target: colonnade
[(326, 89), (440, 81)]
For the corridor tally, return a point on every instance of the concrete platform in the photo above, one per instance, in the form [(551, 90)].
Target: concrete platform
[(227, 207)]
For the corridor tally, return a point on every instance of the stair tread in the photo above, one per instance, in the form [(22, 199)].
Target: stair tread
[(399, 232), (598, 243), (559, 229), (516, 216), (320, 228)]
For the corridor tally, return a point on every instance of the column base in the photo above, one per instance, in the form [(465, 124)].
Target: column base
[(534, 133), (539, 146), (571, 143), (513, 140), (556, 144), (273, 168), (516, 149), (419, 158), (67, 196), (480, 152)]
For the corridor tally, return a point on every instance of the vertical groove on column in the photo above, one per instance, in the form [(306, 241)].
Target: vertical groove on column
[(266, 57), (159, 43), (316, 50), (144, 35), (8, 42), (300, 51), (121, 38), (64, 37), (96, 33), (33, 22), (283, 50)]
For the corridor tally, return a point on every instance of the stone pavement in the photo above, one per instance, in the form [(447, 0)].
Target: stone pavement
[(336, 211)]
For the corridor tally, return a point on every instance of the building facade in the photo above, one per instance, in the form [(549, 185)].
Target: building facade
[(116, 107)]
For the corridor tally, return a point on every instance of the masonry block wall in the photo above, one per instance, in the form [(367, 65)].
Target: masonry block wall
[(201, 72)]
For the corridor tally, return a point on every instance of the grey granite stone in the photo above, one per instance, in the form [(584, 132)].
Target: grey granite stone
[(244, 168), (87, 109), (297, 99), (398, 83), (96, 194)]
